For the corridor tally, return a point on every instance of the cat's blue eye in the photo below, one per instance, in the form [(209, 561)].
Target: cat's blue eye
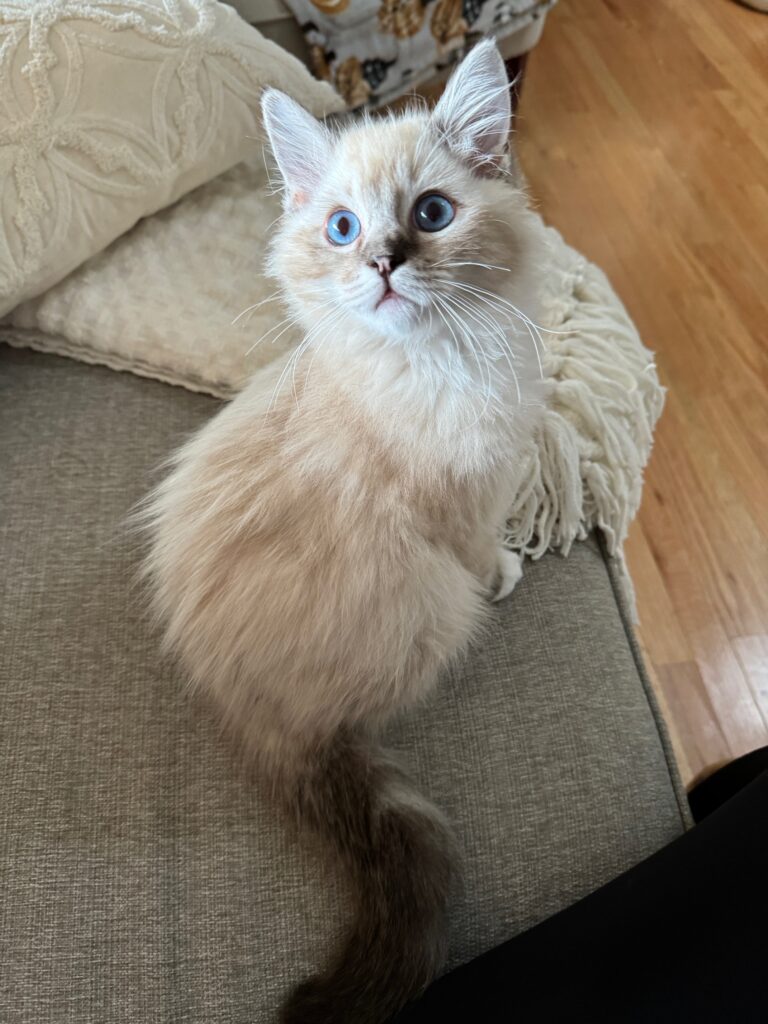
[(343, 227), (433, 212)]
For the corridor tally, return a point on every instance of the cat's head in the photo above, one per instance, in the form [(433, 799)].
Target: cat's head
[(403, 221)]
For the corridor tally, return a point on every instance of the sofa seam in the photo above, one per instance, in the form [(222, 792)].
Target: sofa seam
[(661, 726)]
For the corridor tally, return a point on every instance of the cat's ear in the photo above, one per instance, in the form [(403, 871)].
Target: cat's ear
[(474, 112), (301, 144)]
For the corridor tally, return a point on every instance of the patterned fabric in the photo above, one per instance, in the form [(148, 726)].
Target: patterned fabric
[(375, 50)]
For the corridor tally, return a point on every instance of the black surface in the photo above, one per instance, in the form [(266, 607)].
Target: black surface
[(680, 938)]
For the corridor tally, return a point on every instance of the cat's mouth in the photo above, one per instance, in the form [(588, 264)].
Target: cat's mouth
[(390, 295)]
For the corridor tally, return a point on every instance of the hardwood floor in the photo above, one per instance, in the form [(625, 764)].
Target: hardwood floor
[(643, 131)]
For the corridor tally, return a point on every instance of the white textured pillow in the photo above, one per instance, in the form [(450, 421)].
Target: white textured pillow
[(111, 110)]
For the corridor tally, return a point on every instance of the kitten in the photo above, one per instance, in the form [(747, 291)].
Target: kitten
[(327, 543)]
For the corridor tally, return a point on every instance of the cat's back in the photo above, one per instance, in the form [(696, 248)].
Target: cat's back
[(286, 520), (283, 450)]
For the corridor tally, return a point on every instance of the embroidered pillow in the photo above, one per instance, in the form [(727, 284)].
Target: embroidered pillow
[(110, 110)]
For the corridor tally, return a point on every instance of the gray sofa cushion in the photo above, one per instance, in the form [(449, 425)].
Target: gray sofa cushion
[(144, 876)]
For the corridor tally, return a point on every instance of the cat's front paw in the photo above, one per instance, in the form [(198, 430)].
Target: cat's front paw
[(510, 570)]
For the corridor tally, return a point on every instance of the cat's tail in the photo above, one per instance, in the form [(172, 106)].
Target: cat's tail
[(401, 854)]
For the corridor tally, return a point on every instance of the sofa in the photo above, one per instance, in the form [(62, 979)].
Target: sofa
[(145, 876)]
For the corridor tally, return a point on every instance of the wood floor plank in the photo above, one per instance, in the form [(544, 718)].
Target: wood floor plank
[(696, 721), (643, 132), (752, 652), (670, 643)]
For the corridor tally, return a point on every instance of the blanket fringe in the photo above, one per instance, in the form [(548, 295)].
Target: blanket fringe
[(585, 470)]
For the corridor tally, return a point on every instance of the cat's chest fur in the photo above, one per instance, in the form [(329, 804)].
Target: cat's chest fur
[(387, 448), (445, 421)]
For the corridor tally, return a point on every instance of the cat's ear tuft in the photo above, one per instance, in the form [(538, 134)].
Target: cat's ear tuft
[(474, 112), (301, 144)]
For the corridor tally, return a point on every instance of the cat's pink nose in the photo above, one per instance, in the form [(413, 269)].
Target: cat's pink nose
[(383, 264), (386, 264)]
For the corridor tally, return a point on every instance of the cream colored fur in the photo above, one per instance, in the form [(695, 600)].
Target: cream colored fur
[(328, 542)]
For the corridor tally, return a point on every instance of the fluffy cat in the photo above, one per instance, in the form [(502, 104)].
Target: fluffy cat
[(328, 542)]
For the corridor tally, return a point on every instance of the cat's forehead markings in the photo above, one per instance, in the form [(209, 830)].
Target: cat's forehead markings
[(379, 151)]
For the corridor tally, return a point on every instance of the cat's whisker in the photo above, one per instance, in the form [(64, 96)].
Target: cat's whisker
[(533, 330), (493, 304), (323, 340), (314, 338), (488, 390), (290, 321), (535, 341), (440, 307), (270, 298), (295, 362), (296, 354), (472, 263), (444, 302), (272, 223), (467, 304), (486, 320), (284, 372), (291, 364), (498, 220), (497, 332)]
